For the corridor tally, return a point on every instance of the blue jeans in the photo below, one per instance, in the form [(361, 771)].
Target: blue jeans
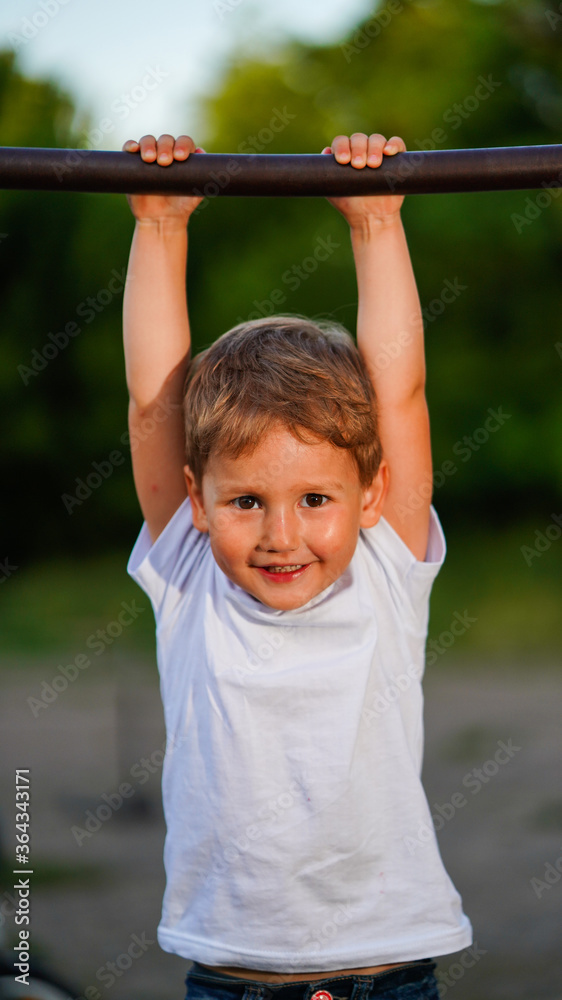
[(414, 981)]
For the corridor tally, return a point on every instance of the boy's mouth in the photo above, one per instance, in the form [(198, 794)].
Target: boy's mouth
[(283, 569), (283, 574)]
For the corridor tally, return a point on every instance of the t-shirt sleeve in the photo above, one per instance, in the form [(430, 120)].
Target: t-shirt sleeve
[(409, 579), (163, 569)]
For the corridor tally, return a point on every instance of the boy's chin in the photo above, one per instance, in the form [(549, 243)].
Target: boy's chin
[(289, 599), (284, 604)]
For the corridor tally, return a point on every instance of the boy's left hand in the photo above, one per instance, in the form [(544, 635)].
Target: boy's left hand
[(366, 150)]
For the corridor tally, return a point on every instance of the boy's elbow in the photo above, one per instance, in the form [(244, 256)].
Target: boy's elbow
[(403, 395), (418, 389), (139, 410)]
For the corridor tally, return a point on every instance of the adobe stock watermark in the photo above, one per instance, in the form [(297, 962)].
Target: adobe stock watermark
[(389, 351), (109, 973), (8, 906), (6, 570), (293, 277), (223, 7), (457, 970), (372, 28), (263, 825), (31, 26), (474, 780), (391, 693), (277, 124), (449, 293), (140, 773), (150, 421), (220, 179), (534, 207), (554, 17), (103, 470), (319, 937), (122, 106), (543, 540), (87, 310), (98, 642), (273, 641), (459, 625), (464, 448), (551, 876), (453, 116)]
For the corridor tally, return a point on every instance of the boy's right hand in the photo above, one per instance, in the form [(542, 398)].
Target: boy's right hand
[(154, 207)]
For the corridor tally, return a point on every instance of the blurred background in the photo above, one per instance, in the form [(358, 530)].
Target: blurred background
[(244, 75)]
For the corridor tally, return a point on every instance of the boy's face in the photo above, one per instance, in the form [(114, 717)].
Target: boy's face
[(284, 521)]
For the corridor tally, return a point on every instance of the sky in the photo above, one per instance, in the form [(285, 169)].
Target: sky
[(139, 66)]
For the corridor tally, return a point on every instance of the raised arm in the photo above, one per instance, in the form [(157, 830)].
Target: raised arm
[(390, 339), (156, 337)]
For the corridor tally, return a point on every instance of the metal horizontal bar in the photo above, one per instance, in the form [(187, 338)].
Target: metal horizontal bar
[(437, 171)]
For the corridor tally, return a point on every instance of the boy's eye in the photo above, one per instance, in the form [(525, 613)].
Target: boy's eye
[(314, 500), (245, 503)]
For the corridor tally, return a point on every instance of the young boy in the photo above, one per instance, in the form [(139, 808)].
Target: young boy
[(290, 580)]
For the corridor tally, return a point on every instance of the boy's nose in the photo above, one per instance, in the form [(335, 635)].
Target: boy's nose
[(280, 534)]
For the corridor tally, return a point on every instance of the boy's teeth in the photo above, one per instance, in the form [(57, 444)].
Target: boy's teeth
[(283, 569)]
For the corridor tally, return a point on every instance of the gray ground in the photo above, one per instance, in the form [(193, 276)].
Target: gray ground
[(500, 829)]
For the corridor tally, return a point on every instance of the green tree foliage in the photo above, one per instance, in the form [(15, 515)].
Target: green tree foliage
[(61, 361), (447, 74)]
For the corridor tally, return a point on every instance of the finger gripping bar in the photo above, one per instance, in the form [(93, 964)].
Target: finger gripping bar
[(280, 175)]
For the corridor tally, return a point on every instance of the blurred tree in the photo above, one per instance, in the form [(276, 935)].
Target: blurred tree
[(63, 259)]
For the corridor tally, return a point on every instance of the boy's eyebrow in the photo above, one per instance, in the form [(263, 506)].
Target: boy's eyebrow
[(236, 488)]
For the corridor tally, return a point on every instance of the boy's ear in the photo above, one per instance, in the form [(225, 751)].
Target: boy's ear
[(196, 496), (374, 497)]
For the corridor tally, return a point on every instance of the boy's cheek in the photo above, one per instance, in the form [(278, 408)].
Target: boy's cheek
[(228, 542), (339, 533), (223, 522), (231, 530)]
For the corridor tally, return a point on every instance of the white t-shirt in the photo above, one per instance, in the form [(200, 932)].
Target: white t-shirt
[(299, 837)]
